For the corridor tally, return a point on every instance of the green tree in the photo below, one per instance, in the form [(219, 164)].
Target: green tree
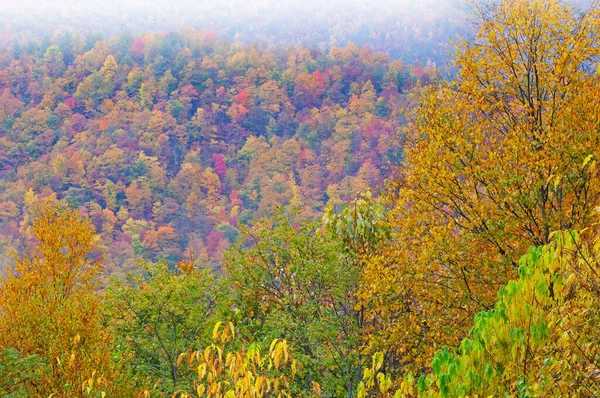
[(19, 374), (294, 282), (94, 89), (54, 61), (158, 315)]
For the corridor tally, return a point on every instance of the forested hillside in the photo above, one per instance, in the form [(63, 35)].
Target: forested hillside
[(192, 218), (169, 141)]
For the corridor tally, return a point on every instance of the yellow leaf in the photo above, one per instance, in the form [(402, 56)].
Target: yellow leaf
[(216, 330)]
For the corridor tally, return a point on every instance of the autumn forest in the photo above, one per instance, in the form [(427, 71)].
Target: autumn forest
[(310, 207)]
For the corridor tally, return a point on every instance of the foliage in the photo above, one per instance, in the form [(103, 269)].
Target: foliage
[(542, 337), (396, 28), (174, 143), (19, 374), (496, 159), (292, 282), (49, 312), (361, 225), (224, 371), (158, 315)]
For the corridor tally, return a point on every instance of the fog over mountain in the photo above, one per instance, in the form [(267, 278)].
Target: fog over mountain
[(414, 31)]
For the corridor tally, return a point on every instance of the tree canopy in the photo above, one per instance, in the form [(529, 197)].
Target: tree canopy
[(496, 160)]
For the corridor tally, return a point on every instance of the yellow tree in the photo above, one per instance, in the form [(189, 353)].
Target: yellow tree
[(496, 160), (541, 339), (49, 308)]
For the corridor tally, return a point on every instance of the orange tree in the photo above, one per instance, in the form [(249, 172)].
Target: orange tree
[(496, 159), (50, 313)]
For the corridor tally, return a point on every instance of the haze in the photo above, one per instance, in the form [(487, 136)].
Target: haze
[(408, 30)]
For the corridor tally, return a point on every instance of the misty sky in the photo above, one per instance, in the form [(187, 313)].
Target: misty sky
[(403, 28), (65, 11)]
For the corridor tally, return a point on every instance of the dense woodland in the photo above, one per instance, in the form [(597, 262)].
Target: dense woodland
[(191, 217), (169, 141)]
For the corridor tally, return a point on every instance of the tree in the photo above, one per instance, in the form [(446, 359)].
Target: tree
[(95, 88), (293, 282), (109, 68), (541, 338), (496, 160), (159, 315), (49, 310), (18, 374), (9, 105), (54, 61)]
